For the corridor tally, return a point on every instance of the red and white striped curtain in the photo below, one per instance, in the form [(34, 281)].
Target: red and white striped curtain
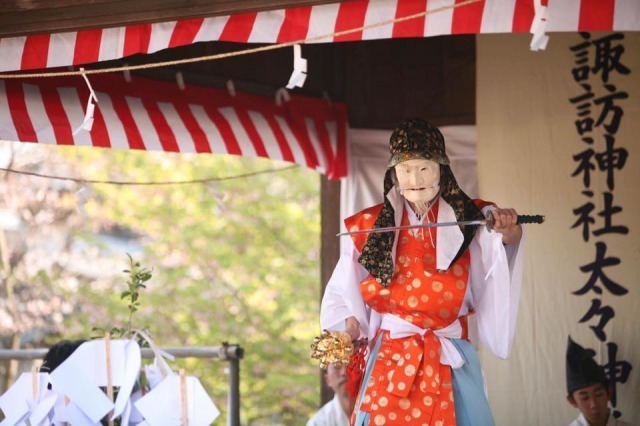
[(299, 23), (154, 115), (158, 116)]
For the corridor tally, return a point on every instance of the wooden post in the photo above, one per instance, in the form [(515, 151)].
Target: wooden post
[(183, 398), (107, 343), (34, 381), (329, 247)]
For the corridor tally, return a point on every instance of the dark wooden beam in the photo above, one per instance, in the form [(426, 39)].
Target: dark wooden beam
[(24, 17), (329, 247), (260, 74), (388, 80)]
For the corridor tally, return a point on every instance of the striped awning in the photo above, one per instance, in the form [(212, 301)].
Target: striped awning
[(300, 23), (154, 115)]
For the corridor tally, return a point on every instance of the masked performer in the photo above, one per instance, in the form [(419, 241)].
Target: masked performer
[(410, 291)]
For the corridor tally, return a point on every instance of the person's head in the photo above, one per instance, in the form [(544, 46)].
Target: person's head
[(417, 154), (419, 182), (58, 353), (336, 377), (593, 402), (416, 139), (587, 384)]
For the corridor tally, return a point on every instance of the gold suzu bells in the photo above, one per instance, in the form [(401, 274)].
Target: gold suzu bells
[(332, 347)]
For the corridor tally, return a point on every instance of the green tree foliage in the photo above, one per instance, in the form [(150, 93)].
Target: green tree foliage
[(235, 260), (37, 218)]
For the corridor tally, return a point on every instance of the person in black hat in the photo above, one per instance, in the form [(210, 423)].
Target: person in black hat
[(409, 290), (588, 389), (58, 353)]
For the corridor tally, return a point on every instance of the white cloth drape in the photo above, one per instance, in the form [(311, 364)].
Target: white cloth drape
[(330, 414)]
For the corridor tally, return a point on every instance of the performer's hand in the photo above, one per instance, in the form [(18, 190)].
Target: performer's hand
[(505, 223), (352, 327)]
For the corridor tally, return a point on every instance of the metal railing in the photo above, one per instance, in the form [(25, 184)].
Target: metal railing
[(230, 353)]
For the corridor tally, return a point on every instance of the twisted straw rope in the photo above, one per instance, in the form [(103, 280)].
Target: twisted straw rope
[(150, 183), (240, 52)]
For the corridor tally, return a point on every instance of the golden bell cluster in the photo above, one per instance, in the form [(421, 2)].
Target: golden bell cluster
[(332, 347)]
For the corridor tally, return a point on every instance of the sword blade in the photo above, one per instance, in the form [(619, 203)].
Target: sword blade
[(424, 225)]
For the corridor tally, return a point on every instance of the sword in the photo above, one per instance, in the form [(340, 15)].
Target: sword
[(487, 221)]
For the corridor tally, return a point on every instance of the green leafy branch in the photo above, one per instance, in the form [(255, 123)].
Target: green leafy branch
[(137, 277)]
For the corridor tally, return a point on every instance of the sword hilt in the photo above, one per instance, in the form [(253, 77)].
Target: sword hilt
[(522, 219), (526, 218)]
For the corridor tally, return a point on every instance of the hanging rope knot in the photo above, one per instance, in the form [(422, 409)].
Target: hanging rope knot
[(355, 368)]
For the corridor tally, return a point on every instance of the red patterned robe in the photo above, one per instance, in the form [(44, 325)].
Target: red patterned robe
[(411, 378), (408, 384)]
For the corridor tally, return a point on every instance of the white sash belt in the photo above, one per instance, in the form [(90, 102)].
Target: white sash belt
[(449, 355)]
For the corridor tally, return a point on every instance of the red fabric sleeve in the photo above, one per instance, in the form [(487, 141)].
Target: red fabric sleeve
[(364, 219), (481, 204)]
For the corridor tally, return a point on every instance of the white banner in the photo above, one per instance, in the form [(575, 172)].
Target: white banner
[(558, 136)]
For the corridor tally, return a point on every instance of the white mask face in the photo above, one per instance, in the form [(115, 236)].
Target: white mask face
[(419, 180)]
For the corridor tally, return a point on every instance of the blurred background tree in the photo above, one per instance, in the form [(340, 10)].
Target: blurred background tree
[(233, 260)]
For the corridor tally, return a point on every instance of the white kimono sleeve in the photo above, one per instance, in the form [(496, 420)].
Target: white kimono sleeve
[(495, 280), (342, 297)]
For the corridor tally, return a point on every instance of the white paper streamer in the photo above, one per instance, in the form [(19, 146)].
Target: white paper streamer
[(180, 80), (82, 197), (87, 124), (538, 27), (161, 406), (282, 95), (19, 404), (231, 88), (299, 74)]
